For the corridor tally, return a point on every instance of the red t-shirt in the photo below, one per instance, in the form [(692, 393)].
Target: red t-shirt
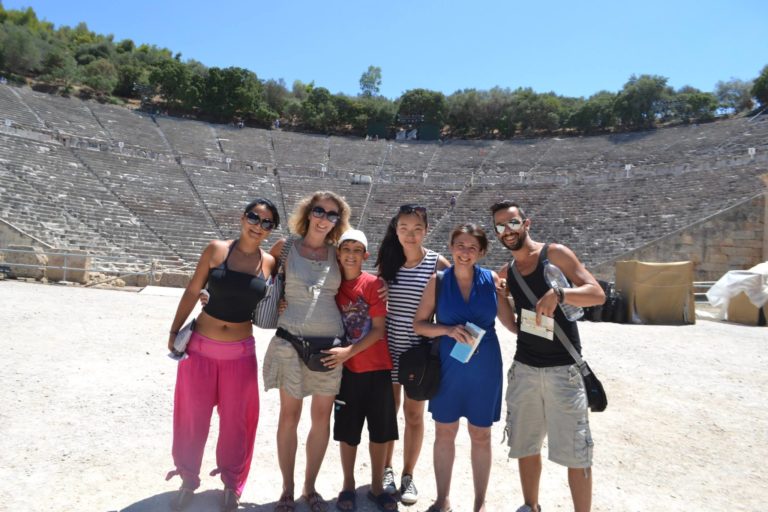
[(358, 300)]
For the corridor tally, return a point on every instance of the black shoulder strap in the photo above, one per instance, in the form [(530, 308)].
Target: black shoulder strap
[(543, 254), (438, 283), (229, 252)]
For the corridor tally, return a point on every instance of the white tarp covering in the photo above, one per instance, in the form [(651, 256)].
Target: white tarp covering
[(753, 282)]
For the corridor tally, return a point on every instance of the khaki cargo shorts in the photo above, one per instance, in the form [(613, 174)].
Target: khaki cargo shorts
[(548, 402)]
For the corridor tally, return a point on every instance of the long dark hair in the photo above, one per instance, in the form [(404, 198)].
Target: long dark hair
[(391, 255)]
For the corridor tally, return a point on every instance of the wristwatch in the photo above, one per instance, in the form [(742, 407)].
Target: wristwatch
[(560, 294)]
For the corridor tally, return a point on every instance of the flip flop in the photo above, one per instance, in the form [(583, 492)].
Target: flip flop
[(285, 504), (347, 497), (382, 500), (316, 502)]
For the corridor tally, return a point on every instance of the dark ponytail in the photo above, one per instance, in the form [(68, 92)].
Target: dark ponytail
[(391, 254)]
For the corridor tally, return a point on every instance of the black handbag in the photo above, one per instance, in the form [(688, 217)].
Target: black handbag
[(596, 397), (419, 370), (419, 367)]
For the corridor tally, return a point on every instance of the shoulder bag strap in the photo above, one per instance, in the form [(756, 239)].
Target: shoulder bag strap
[(558, 331)]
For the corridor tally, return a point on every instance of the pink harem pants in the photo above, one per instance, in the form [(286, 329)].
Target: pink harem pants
[(222, 374)]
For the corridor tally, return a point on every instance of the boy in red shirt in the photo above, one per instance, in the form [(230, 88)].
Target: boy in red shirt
[(366, 384)]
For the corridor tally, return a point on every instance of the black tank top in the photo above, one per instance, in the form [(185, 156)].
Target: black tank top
[(531, 349), (234, 295)]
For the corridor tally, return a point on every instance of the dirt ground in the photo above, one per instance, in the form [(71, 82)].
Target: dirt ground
[(86, 413)]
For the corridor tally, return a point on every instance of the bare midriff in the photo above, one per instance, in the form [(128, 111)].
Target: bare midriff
[(220, 330)]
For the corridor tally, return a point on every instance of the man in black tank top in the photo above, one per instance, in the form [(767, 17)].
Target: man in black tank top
[(545, 393)]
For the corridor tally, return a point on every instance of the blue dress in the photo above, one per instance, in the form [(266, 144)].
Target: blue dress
[(471, 389)]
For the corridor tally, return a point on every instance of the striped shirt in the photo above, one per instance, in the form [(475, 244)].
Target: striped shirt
[(403, 301)]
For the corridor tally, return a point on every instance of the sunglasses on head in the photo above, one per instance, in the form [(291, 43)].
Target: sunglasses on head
[(319, 212), (413, 208), (513, 225), (254, 219)]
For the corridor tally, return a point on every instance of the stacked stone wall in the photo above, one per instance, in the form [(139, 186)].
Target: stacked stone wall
[(736, 239)]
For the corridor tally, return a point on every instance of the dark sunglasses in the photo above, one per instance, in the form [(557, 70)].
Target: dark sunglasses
[(513, 225), (319, 212), (266, 224), (413, 208)]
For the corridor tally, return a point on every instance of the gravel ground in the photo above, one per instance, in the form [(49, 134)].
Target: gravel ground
[(86, 413)]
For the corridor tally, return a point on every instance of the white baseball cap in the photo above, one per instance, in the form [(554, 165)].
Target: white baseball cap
[(355, 235)]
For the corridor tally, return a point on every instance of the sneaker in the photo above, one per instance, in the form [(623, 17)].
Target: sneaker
[(388, 481), (408, 493), (527, 508)]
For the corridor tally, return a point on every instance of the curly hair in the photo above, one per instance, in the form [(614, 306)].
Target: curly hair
[(298, 222)]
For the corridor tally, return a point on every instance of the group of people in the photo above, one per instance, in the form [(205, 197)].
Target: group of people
[(358, 325)]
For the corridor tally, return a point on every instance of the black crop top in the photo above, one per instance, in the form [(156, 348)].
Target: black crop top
[(234, 295)]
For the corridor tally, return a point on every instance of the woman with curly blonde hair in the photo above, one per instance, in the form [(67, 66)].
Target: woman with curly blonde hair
[(312, 279)]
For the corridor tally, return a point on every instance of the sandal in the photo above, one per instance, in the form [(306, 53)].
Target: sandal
[(285, 503), (182, 498), (231, 500), (348, 499), (385, 502), (316, 502), (435, 508)]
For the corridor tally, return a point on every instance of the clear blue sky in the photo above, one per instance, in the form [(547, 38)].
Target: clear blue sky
[(572, 48)]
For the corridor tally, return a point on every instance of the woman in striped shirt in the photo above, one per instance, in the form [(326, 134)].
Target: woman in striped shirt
[(406, 265)]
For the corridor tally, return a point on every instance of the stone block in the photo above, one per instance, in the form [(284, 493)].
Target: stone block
[(77, 262), (743, 235), (174, 279), (31, 255)]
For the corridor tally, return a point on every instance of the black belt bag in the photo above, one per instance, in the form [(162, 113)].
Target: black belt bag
[(310, 349)]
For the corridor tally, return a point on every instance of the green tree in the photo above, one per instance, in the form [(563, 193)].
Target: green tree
[(100, 75), (760, 87), (319, 111), (596, 114), (734, 95), (20, 49), (275, 94), (59, 67), (691, 104), (370, 81), (423, 102), (641, 101), (234, 92)]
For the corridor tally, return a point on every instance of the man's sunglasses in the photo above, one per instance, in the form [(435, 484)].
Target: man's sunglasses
[(413, 208), (266, 224), (319, 212), (513, 225)]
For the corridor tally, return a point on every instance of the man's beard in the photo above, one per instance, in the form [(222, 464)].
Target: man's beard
[(521, 237)]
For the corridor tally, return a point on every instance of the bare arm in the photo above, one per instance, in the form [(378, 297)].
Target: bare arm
[(422, 323), (504, 310), (338, 355), (586, 291), (442, 262), (196, 284), (275, 253)]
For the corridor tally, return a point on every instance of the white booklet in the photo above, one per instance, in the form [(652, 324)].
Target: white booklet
[(528, 324), (463, 351)]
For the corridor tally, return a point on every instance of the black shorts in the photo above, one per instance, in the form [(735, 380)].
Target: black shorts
[(365, 396)]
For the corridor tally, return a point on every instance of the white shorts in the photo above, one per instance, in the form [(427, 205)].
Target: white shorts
[(548, 402)]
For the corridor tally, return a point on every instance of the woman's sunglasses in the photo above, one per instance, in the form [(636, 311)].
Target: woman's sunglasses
[(413, 208), (266, 224), (319, 212)]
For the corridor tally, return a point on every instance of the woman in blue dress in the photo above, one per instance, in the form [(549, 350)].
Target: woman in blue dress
[(472, 389)]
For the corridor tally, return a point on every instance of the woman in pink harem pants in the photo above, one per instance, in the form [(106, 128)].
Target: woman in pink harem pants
[(221, 368)]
